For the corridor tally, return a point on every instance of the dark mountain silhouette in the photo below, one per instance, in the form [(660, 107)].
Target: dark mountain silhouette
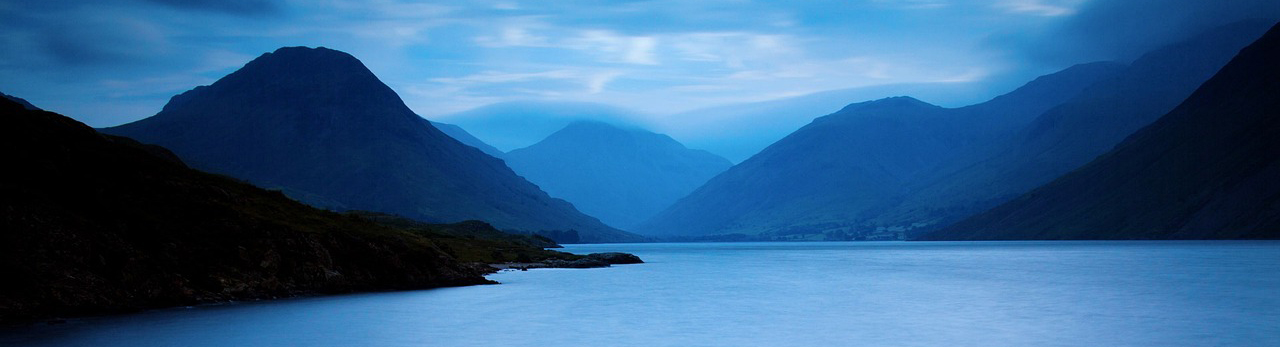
[(1073, 133), (843, 168), (95, 223), (622, 176), (1209, 169), (321, 127), (20, 101), (457, 133)]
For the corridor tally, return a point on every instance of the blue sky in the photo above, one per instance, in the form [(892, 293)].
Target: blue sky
[(108, 62)]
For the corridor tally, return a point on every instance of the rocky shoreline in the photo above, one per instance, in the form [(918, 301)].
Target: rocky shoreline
[(593, 260)]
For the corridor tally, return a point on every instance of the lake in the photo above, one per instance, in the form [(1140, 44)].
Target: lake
[(1212, 293)]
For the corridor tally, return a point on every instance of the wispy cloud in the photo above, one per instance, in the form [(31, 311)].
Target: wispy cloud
[(658, 56), (1049, 8), (914, 4)]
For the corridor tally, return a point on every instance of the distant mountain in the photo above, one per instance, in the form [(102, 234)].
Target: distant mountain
[(320, 126), (828, 178), (738, 131), (622, 176), (20, 101), (1072, 134), (518, 124), (95, 224), (457, 133), (1209, 169), (897, 172)]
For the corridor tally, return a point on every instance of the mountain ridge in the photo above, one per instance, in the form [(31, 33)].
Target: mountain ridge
[(317, 124), (831, 177), (1205, 170)]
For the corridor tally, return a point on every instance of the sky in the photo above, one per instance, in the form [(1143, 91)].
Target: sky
[(108, 62)]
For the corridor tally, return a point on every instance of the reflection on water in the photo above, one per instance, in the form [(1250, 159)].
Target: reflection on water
[(776, 294)]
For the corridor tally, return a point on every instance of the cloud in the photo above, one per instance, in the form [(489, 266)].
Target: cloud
[(1124, 29), (99, 41), (914, 4), (520, 84), (1048, 8), (613, 47), (241, 7)]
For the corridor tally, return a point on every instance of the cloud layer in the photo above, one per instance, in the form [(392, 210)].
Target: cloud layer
[(113, 61)]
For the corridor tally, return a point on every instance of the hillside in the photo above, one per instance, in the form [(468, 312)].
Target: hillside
[(97, 224), (1209, 169), (1076, 131), (457, 133)]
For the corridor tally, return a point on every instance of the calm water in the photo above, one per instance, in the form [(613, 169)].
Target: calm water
[(776, 294)]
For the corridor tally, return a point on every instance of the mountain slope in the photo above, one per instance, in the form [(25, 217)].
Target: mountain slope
[(20, 101), (834, 174), (1208, 169), (457, 133), (738, 131), (320, 126), (621, 176), (1073, 133), (96, 224)]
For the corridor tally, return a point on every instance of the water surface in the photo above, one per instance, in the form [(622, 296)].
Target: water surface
[(775, 294)]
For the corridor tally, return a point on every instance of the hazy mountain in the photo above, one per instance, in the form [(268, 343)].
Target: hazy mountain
[(320, 126), (845, 168), (519, 124), (1072, 134), (457, 133), (622, 176), (842, 169), (738, 131), (95, 223), (1209, 169)]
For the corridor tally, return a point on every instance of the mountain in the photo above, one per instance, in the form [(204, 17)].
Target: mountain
[(833, 174), (1209, 169), (318, 125), (95, 223), (1077, 131), (457, 133), (20, 101), (622, 176), (738, 131), (518, 124), (915, 173)]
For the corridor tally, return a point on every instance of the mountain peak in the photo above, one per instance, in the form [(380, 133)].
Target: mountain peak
[(889, 103), (303, 53), (620, 174), (302, 76), (595, 126), (318, 125), (314, 63)]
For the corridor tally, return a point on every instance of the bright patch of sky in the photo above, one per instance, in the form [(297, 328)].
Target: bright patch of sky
[(114, 61)]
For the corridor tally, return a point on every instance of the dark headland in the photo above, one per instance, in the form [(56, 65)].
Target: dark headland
[(100, 224)]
